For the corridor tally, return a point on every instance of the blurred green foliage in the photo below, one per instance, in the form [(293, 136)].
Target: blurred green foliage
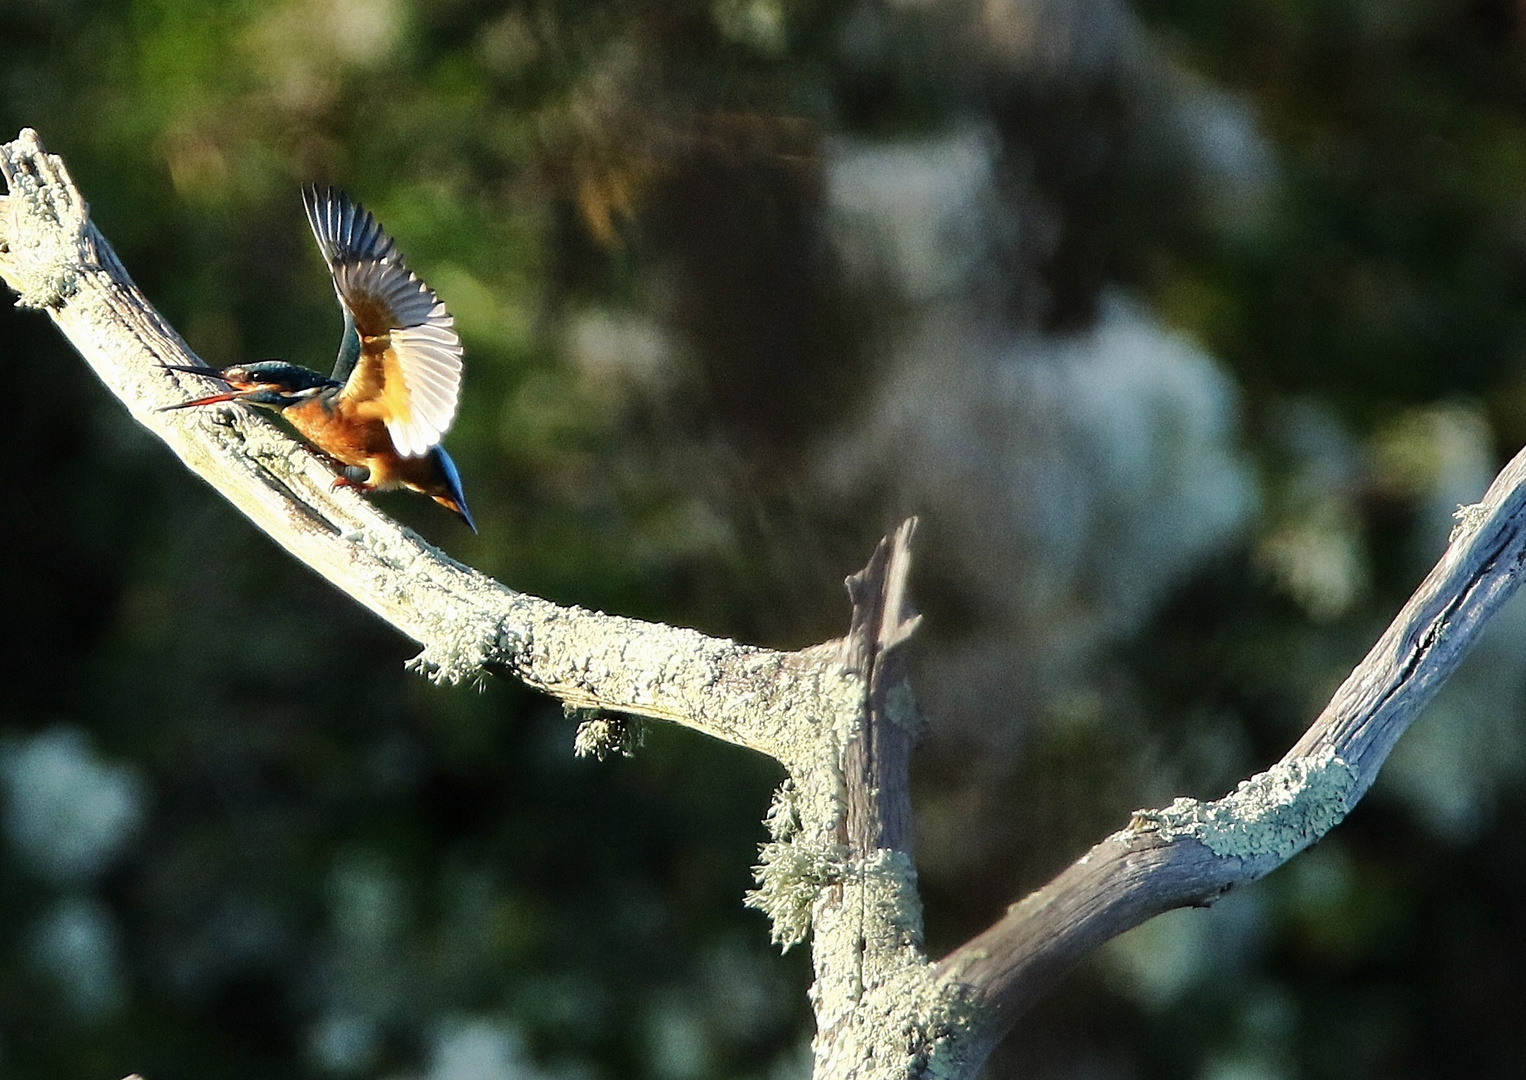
[(293, 859)]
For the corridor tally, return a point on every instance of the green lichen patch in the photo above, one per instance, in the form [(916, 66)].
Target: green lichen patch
[(901, 708), (906, 1024), (1276, 813), (874, 990), (460, 637), (892, 904), (949, 1035)]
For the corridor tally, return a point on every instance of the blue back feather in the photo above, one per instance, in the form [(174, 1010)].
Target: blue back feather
[(349, 350)]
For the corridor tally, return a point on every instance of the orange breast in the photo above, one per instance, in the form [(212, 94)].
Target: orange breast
[(344, 432)]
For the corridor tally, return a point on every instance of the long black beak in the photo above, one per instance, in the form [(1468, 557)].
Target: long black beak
[(195, 369)]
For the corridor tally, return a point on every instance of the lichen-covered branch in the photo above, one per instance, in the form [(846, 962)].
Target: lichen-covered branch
[(55, 259), (840, 716), (867, 947), (839, 863), (820, 711), (1192, 852)]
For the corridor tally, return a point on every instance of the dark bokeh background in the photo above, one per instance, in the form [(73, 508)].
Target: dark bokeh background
[(1185, 326)]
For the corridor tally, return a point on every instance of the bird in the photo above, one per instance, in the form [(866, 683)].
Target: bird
[(396, 381)]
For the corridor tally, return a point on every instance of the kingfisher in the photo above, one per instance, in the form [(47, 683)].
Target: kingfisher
[(397, 379)]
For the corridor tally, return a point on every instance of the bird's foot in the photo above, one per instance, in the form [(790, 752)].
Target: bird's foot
[(355, 478)]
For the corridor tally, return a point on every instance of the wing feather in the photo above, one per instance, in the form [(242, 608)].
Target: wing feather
[(409, 358)]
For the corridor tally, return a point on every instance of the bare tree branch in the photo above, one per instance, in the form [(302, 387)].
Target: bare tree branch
[(872, 994), (877, 758), (1192, 852)]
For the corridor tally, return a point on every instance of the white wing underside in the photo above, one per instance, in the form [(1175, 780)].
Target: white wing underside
[(383, 296)]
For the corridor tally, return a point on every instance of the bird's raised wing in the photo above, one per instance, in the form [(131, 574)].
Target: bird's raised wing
[(400, 359)]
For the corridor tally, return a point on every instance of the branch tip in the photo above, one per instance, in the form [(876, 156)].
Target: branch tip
[(44, 230), (883, 618)]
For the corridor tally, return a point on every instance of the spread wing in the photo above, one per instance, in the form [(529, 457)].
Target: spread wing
[(400, 359)]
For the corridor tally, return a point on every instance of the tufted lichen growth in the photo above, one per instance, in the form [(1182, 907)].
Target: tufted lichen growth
[(791, 872), (602, 736), (1468, 516)]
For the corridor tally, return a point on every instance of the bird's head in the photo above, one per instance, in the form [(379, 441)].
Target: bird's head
[(274, 384)]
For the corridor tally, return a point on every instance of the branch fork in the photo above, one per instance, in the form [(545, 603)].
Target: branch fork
[(840, 717)]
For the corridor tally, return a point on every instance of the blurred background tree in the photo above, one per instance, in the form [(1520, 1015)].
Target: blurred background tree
[(1184, 325)]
